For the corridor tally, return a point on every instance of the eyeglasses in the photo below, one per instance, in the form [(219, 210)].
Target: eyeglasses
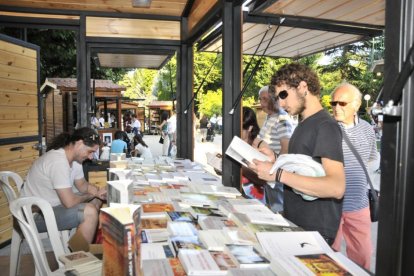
[(282, 94), (339, 102)]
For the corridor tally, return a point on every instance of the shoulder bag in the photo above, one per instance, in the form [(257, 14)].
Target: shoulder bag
[(373, 195)]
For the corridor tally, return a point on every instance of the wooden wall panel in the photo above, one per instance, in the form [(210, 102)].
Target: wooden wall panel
[(199, 9), (18, 50), (18, 165), (26, 151), (18, 116), (15, 86), (132, 28), (15, 113)]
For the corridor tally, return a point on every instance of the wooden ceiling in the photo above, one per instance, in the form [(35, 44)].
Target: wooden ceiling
[(157, 7), (306, 26)]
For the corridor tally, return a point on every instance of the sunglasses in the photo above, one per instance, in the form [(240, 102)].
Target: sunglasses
[(282, 95), (339, 102)]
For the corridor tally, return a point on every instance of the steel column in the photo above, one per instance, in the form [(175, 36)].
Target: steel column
[(232, 78), (396, 226)]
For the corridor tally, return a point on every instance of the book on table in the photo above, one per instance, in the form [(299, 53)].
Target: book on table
[(244, 153), (199, 262), (185, 242), (247, 256), (118, 191), (81, 261), (121, 239)]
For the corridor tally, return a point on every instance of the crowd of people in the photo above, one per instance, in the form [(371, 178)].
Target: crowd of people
[(334, 203)]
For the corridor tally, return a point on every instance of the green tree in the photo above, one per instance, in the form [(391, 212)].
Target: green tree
[(139, 83), (210, 103)]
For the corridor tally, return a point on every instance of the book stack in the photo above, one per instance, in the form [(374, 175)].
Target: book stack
[(81, 263)]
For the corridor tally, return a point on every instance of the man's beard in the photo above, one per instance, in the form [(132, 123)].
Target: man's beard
[(301, 106)]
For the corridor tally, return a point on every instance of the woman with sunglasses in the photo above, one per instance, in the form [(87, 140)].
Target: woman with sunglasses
[(319, 136)]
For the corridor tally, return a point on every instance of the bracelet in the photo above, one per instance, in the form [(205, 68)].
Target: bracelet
[(258, 145), (278, 174)]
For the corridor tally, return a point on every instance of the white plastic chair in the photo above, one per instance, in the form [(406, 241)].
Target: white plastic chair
[(17, 237), (21, 208)]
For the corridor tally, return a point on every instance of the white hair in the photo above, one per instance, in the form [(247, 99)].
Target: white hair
[(264, 89), (357, 95)]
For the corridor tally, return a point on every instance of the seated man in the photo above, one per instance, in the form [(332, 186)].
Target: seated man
[(54, 176)]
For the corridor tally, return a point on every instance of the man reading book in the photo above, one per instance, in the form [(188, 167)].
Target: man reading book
[(318, 136), (54, 175)]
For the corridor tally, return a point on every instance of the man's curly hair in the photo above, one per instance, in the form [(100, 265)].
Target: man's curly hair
[(292, 74)]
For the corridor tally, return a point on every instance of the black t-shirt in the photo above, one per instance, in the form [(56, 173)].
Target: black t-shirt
[(318, 136)]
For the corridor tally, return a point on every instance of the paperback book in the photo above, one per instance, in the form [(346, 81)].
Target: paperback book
[(243, 153), (247, 256), (121, 239), (199, 262)]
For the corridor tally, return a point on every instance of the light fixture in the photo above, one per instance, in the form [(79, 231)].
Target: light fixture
[(141, 3)]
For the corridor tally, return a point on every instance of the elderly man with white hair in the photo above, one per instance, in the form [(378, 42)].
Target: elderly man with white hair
[(275, 131), (355, 225)]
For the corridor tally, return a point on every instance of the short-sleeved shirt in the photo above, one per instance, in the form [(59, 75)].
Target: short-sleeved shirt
[(362, 137), (50, 172), (318, 136), (276, 126), (118, 146)]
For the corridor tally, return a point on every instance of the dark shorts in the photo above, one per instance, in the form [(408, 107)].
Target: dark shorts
[(66, 218)]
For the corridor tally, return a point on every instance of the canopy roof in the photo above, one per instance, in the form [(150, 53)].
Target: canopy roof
[(306, 26)]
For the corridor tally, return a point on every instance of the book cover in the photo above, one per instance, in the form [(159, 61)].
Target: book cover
[(77, 258), (157, 267), (213, 240), (322, 265), (180, 228), (157, 207), (181, 216), (272, 228), (199, 262), (243, 153), (154, 235), (154, 223), (186, 242), (214, 222), (176, 266), (121, 239), (223, 260), (247, 256)]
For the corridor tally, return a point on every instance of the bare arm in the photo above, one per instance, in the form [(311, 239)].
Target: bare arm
[(332, 185), (70, 199), (284, 143)]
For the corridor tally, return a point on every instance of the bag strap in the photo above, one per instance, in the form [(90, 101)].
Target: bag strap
[(358, 157)]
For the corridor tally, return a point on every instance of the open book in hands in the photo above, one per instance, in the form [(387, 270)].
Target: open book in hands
[(244, 153)]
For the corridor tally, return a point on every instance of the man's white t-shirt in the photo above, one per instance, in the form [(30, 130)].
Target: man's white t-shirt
[(49, 172)]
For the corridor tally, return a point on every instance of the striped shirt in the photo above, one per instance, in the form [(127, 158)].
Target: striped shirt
[(362, 137), (276, 126)]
